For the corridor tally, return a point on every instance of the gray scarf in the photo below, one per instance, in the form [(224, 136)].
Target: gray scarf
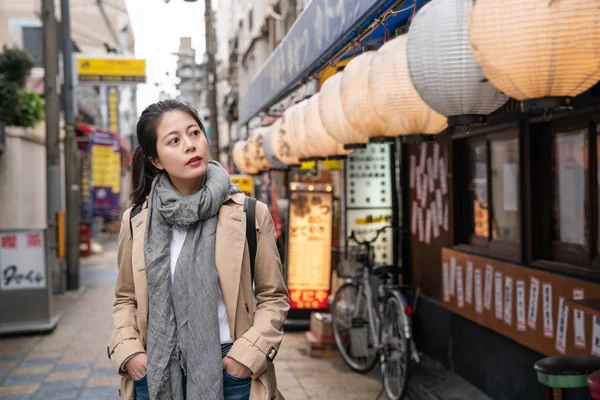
[(183, 331)]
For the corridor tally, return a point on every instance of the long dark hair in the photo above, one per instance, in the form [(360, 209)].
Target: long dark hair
[(142, 169)]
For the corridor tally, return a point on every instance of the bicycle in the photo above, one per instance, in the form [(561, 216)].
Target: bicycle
[(365, 327)]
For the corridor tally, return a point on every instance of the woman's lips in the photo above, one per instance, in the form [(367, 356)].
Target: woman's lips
[(194, 161)]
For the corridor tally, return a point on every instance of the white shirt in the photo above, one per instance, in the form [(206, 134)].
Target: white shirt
[(179, 234)]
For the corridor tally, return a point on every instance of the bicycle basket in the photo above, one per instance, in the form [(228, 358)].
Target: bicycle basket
[(349, 261)]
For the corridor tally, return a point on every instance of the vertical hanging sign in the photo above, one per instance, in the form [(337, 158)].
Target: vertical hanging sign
[(106, 173), (112, 98), (309, 249)]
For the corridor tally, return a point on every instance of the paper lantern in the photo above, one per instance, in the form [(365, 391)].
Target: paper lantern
[(443, 68), (321, 144), (354, 92), (305, 150), (294, 125), (333, 117), (256, 150), (241, 158), (541, 52), (396, 101), (275, 162), (280, 140)]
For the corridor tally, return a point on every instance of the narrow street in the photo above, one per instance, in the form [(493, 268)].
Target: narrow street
[(71, 363)]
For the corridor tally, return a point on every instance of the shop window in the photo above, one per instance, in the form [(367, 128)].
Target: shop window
[(487, 200), (566, 211)]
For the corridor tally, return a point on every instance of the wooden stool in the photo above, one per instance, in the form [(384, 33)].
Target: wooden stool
[(593, 382), (565, 372)]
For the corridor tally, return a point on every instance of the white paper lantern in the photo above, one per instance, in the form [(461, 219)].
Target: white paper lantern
[(395, 99), (321, 144), (354, 92), (275, 162), (242, 159), (281, 142), (256, 150), (333, 117), (538, 49), (443, 68), (294, 125)]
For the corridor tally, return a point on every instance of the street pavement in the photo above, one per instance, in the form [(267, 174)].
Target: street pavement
[(71, 363)]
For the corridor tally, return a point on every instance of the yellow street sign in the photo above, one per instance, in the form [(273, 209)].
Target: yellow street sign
[(245, 183), (111, 70)]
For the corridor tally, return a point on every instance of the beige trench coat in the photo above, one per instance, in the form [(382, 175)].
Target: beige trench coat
[(254, 332)]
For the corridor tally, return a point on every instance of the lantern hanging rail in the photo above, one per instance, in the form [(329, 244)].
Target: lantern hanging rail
[(364, 29)]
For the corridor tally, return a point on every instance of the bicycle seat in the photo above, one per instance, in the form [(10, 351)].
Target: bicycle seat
[(383, 270)]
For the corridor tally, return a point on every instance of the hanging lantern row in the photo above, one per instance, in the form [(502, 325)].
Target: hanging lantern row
[(460, 62)]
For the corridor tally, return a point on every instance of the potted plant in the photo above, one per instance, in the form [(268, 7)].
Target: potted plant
[(19, 106)]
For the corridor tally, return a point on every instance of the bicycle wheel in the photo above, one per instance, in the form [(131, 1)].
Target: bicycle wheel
[(351, 331), (396, 347)]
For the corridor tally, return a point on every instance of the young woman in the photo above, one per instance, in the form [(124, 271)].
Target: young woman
[(184, 316)]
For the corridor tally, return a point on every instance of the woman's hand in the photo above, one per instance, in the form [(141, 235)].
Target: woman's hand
[(136, 366), (235, 368)]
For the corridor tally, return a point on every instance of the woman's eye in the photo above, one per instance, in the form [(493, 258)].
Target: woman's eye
[(174, 141), (195, 133)]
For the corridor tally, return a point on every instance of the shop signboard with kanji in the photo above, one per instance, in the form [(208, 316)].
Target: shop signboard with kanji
[(309, 249), (22, 261), (106, 173)]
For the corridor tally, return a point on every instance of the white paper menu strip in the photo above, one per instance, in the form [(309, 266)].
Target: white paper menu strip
[(422, 157), (413, 166), (508, 299), (428, 226), (434, 220), (469, 283), (489, 282), (424, 190), (440, 207), (420, 224), (446, 217), (459, 287), (579, 320), (443, 182), (547, 302), (596, 336), (452, 275), (446, 283), (521, 318), (478, 300), (413, 218), (498, 295), (561, 326), (431, 175), (436, 155), (534, 294)]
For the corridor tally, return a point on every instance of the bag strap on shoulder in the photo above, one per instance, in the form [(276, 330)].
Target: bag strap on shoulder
[(134, 211), (250, 210)]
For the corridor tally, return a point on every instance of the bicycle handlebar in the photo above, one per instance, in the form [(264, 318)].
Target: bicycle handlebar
[(352, 235)]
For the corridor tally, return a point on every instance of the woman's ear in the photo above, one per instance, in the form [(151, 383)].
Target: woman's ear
[(156, 163)]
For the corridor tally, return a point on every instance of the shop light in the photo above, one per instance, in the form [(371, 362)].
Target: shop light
[(294, 187), (333, 117), (541, 52), (329, 188), (442, 66), (322, 144), (281, 142), (396, 101), (256, 150), (354, 92), (311, 188), (241, 158)]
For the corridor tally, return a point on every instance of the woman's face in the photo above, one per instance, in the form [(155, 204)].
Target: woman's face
[(182, 148)]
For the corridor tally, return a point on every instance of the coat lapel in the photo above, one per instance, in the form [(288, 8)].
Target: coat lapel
[(229, 255)]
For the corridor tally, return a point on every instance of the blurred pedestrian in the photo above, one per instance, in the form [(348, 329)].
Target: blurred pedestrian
[(184, 316)]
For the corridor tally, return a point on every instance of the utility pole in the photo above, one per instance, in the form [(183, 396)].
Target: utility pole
[(71, 184), (212, 80), (53, 181)]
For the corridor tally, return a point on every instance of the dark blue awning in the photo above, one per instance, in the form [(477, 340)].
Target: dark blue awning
[(323, 29)]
